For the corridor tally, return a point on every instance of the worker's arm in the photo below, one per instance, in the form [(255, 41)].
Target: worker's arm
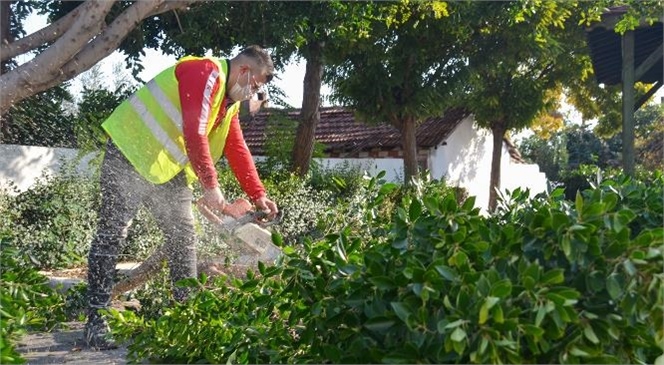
[(241, 162), (198, 82)]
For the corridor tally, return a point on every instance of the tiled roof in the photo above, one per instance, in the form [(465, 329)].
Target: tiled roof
[(339, 131)]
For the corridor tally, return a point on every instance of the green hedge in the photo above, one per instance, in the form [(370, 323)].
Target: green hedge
[(542, 281), (26, 301)]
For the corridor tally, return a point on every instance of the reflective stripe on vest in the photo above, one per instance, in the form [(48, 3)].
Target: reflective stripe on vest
[(147, 127), (154, 126)]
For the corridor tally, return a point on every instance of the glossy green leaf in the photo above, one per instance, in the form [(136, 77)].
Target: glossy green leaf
[(613, 286), (488, 303), (415, 210), (589, 333), (553, 276), (458, 334), (401, 310), (379, 324), (502, 288)]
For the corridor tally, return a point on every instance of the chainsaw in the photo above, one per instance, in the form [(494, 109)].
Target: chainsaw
[(247, 226), (245, 232)]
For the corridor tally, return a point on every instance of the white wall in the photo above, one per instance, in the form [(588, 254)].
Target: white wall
[(23, 165), (393, 167), (464, 159)]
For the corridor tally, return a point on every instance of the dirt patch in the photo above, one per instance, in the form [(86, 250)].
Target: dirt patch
[(66, 346)]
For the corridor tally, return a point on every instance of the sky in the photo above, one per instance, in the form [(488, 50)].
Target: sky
[(290, 79)]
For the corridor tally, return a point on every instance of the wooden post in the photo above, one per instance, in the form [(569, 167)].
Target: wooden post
[(628, 102)]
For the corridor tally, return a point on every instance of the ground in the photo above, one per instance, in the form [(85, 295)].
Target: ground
[(66, 346)]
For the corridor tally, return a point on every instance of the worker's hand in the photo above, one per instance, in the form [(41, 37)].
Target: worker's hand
[(267, 206), (214, 199)]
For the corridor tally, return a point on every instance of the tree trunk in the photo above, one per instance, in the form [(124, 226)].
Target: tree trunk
[(498, 130), (310, 114), (5, 38), (409, 145), (5, 21)]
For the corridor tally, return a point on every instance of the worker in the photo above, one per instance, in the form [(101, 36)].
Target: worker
[(165, 137)]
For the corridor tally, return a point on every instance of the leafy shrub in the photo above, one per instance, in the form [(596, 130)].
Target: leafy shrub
[(54, 221), (344, 180), (552, 281), (26, 301)]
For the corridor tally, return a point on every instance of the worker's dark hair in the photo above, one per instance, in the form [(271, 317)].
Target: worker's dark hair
[(261, 57)]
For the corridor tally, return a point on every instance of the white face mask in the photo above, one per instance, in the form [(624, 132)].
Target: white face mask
[(239, 93)]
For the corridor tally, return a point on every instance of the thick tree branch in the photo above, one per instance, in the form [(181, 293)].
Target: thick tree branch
[(84, 28), (42, 36), (171, 5), (43, 73), (21, 82), (109, 40)]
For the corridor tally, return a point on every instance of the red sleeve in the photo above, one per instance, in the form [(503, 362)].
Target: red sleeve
[(240, 160), (198, 82)]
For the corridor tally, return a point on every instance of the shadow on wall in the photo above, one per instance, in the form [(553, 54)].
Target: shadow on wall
[(469, 163), (22, 166)]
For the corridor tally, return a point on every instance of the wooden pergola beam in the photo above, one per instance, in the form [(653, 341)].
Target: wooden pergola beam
[(628, 79), (642, 100), (649, 62)]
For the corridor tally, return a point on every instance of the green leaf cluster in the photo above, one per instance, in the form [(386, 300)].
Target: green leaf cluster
[(544, 280), (26, 301)]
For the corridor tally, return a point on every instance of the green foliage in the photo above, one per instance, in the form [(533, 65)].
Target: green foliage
[(549, 154), (584, 147), (562, 156), (278, 147), (343, 179), (542, 281), (41, 219), (41, 120), (26, 301), (95, 106)]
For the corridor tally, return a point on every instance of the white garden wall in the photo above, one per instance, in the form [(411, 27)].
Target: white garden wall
[(463, 160), (23, 165)]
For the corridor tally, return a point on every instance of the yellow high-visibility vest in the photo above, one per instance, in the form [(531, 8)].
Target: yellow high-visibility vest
[(147, 127)]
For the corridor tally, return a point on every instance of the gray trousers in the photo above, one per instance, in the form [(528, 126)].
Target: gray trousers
[(123, 191)]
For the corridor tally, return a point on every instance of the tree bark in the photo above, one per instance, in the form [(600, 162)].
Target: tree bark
[(6, 37), (22, 81), (498, 130), (409, 145), (310, 115), (47, 34), (5, 32), (78, 49)]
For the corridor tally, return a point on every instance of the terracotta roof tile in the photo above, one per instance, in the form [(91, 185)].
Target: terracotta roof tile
[(339, 131)]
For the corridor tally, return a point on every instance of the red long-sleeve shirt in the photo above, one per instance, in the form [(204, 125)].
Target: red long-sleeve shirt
[(198, 84)]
